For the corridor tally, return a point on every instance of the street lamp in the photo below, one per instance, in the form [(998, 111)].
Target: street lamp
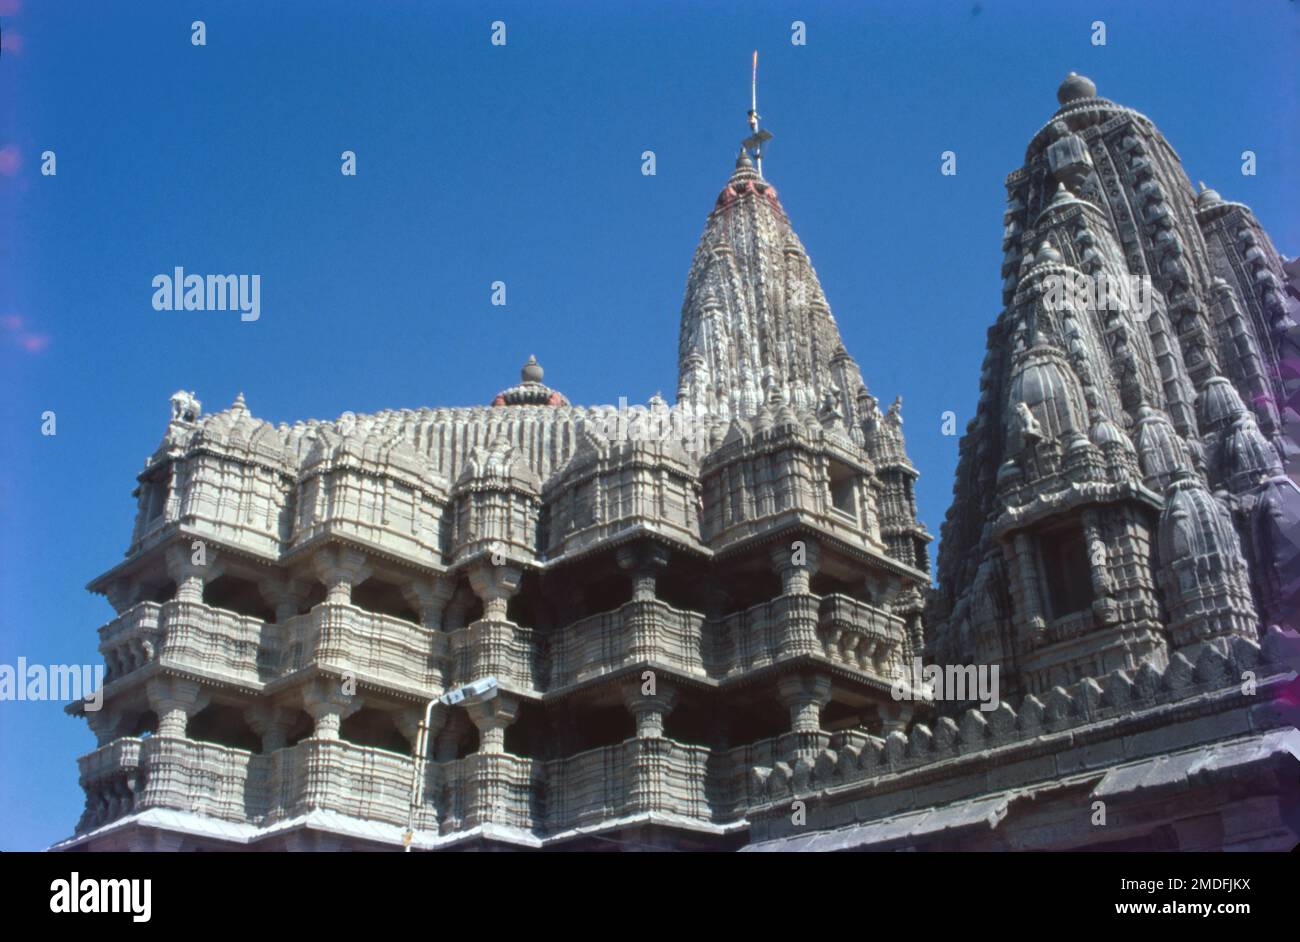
[(475, 692)]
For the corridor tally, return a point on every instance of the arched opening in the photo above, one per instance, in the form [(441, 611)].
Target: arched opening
[(760, 719), (823, 583), (384, 598), (607, 594), (602, 726), (1063, 554), (145, 725), (315, 595), (679, 585), (164, 592), (224, 725), (299, 730), (527, 735), (463, 609), (843, 490), (749, 588), (692, 722), (527, 606), (838, 716), (458, 738), (237, 595), (374, 728)]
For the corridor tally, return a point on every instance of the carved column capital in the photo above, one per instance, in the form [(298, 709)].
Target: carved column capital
[(796, 562), (107, 724), (429, 596), (642, 560), (341, 568), (285, 594), (804, 695), (495, 585), (492, 717), (122, 594), (894, 716), (650, 710), (189, 575), (175, 700), (271, 721), (408, 721), (328, 706)]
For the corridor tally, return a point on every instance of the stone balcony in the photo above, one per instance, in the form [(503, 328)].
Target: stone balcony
[(499, 649), (193, 637), (130, 641), (247, 651), (134, 775), (638, 776), (861, 636), (843, 630), (637, 632), (399, 655), (379, 648)]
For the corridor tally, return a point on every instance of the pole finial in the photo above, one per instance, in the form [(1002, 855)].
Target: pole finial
[(756, 137), (753, 95)]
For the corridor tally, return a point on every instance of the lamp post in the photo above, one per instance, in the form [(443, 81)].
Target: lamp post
[(475, 692)]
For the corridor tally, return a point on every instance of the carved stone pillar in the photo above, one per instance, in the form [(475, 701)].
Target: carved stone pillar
[(341, 569), (1026, 568), (1103, 607), (643, 561), (796, 564), (328, 707), (447, 739), (107, 725), (408, 721), (894, 717), (122, 594), (174, 701), (285, 595), (492, 717), (429, 597), (650, 710), (804, 695), (495, 585), (272, 723), (189, 576)]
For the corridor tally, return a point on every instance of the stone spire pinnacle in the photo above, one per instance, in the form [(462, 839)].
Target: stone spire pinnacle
[(754, 315)]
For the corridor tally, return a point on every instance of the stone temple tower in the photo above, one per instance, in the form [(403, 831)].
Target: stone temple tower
[(1108, 646), (530, 624), (1123, 491), (684, 609)]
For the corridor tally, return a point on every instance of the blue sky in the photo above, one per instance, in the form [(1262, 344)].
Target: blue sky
[(522, 164)]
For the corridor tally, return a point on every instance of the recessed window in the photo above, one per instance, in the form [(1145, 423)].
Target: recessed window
[(157, 497), (844, 482), (1065, 566)]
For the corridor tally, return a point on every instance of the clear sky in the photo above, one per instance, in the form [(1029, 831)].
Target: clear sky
[(478, 163)]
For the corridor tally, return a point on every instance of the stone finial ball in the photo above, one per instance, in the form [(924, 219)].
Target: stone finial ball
[(1074, 87), (532, 371)]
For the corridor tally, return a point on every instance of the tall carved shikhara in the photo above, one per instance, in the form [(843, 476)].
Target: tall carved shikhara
[(1142, 445), (692, 632)]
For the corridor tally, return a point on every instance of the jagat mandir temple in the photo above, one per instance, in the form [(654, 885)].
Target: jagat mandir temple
[(710, 624)]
